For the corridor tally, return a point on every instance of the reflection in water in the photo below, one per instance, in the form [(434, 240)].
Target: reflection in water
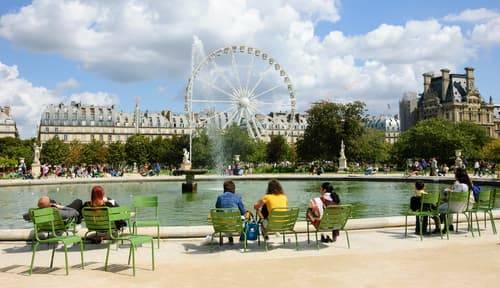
[(370, 199)]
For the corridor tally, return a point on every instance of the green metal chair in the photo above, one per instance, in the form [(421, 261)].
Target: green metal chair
[(42, 218), (281, 220), (431, 199), (144, 203), (227, 221), (458, 199), (102, 219), (60, 225), (485, 203), (334, 218)]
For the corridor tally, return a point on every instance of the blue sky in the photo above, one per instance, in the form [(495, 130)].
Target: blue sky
[(354, 63)]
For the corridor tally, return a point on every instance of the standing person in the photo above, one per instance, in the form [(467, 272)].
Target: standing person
[(424, 165), (476, 168), (229, 199), (434, 167), (318, 204), (462, 184)]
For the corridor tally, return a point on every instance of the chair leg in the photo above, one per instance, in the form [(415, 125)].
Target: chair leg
[(406, 226), (66, 258), (152, 255), (81, 253), (484, 218), (33, 257), (52, 258), (265, 243), (456, 230), (420, 221), (347, 237), (296, 241), (133, 259), (284, 239), (158, 235), (129, 254), (245, 242), (493, 227), (477, 222), (317, 243), (107, 256), (308, 233), (446, 226)]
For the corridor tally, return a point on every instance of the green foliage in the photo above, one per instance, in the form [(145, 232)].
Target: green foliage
[(116, 154), (157, 150), (328, 124), (174, 153), (136, 150), (95, 152), (15, 148), (259, 154), (7, 163), (277, 149), (440, 138), (54, 151), (491, 151), (236, 141), (202, 151), (371, 147), (75, 153)]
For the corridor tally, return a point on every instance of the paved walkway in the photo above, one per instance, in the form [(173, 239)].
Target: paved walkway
[(377, 258)]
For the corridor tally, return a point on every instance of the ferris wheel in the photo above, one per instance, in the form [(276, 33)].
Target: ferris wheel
[(238, 85)]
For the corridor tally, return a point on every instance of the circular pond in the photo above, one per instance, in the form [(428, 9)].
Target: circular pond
[(369, 199)]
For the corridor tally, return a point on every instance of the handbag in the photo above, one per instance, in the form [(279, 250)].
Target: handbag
[(251, 229)]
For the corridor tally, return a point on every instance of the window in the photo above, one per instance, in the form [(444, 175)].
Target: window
[(65, 115), (56, 129), (92, 137), (92, 114), (46, 129), (47, 115), (110, 138), (101, 138), (65, 137)]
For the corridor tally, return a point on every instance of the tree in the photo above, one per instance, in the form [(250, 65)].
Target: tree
[(259, 154), (328, 124), (174, 152), (116, 154), (491, 151), (54, 151), (372, 147), (277, 149), (236, 141), (157, 150), (15, 148), (440, 138), (202, 156), (75, 153), (95, 152), (136, 149)]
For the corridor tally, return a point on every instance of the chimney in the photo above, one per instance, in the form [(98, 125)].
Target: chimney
[(427, 81), (5, 110), (445, 73), (469, 73)]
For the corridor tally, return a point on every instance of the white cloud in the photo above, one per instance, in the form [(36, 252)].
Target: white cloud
[(472, 15), (69, 84), (28, 101), (98, 98), (137, 40)]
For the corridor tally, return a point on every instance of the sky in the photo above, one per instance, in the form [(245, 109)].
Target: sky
[(112, 52)]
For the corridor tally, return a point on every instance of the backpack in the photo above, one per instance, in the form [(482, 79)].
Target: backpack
[(475, 191)]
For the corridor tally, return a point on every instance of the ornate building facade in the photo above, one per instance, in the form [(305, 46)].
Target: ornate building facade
[(454, 97), (8, 126), (105, 123), (390, 125)]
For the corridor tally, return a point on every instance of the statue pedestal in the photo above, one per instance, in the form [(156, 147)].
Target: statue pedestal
[(342, 164), (190, 186), (185, 166), (35, 170)]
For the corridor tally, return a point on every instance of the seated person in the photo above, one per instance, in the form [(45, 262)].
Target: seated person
[(317, 206), (98, 199), (275, 198), (415, 202), (68, 212), (229, 199)]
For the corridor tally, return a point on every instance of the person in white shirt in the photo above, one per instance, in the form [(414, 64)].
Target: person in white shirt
[(462, 184)]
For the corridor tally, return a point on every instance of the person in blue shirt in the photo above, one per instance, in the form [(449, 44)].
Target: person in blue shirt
[(229, 199)]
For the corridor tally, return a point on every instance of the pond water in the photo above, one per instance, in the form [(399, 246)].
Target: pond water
[(369, 199)]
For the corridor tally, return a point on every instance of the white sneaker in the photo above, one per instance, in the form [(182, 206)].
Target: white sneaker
[(206, 240)]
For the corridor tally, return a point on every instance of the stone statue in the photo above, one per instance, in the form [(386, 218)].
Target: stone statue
[(185, 159), (342, 159), (36, 159), (342, 148)]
